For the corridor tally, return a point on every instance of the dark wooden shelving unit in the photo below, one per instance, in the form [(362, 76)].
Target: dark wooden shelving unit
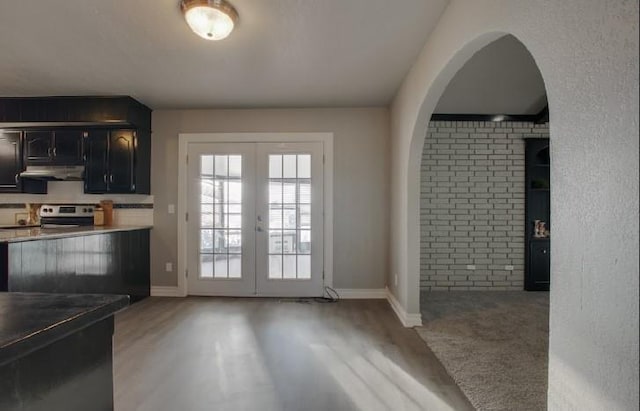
[(537, 208)]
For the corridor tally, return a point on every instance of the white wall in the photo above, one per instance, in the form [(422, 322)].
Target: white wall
[(361, 181), (587, 52)]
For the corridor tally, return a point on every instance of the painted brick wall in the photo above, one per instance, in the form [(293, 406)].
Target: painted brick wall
[(472, 204)]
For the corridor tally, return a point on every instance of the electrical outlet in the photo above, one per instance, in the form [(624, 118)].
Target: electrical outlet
[(471, 267), (168, 267), (508, 267), (171, 209), (395, 279)]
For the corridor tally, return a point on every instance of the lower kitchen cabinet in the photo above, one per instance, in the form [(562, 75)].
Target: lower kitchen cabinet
[(109, 263)]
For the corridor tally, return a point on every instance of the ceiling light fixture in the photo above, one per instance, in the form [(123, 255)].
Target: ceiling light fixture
[(210, 19)]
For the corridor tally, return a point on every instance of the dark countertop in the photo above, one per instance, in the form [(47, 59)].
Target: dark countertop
[(38, 233), (29, 321)]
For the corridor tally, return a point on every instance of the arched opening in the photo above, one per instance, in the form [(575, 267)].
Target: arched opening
[(484, 220)]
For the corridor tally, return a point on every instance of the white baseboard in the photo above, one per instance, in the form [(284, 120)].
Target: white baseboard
[(407, 319), (361, 293), (160, 291)]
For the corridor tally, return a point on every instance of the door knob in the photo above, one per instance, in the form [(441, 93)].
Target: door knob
[(259, 229)]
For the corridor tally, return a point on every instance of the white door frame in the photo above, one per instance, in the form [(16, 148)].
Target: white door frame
[(183, 141)]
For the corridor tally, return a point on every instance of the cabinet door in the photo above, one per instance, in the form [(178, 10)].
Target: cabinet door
[(67, 147), (10, 164), (121, 161), (38, 147), (539, 265), (95, 169)]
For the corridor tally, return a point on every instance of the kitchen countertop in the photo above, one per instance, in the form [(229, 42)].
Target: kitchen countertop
[(33, 320), (37, 233)]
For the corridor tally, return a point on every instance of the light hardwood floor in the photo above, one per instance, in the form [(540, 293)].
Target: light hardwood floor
[(201, 353)]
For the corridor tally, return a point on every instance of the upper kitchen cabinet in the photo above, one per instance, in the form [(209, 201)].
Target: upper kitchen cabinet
[(62, 146), (54, 111), (117, 161), (10, 161), (110, 136)]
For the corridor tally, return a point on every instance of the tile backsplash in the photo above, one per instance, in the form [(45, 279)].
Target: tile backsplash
[(129, 209)]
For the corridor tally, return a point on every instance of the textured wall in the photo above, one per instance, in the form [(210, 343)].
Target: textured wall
[(472, 204), (587, 52), (361, 185)]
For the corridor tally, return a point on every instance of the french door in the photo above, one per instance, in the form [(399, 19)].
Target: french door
[(255, 219)]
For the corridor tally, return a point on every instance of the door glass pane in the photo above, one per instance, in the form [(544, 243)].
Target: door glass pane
[(220, 216), (221, 166), (275, 241), (289, 166), (304, 242), (206, 265), (305, 192), (206, 241), (235, 220), (275, 166), (304, 166), (289, 266), (290, 216), (235, 266), (275, 216), (220, 242), (206, 166), (304, 266), (289, 192), (235, 166), (275, 192), (275, 266), (305, 217), (289, 242), (220, 267)]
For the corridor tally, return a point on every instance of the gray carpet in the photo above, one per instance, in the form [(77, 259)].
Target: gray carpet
[(494, 344)]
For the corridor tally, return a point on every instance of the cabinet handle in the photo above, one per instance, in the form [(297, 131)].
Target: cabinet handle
[(16, 178), (111, 178), (49, 152), (104, 178), (54, 151)]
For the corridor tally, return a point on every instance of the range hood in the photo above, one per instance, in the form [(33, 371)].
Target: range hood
[(50, 172)]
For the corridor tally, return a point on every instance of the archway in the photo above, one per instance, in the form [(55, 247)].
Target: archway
[(476, 154), (591, 75)]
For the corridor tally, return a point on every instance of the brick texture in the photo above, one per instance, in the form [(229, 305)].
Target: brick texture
[(472, 204)]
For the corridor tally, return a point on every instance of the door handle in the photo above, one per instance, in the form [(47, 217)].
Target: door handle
[(259, 229)]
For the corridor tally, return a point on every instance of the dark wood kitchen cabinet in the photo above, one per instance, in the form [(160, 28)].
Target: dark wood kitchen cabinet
[(10, 161), (111, 159), (61, 147), (11, 165)]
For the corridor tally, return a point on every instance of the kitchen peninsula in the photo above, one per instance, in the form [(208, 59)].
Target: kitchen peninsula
[(56, 351), (103, 260)]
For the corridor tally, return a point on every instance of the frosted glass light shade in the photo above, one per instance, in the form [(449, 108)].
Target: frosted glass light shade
[(209, 19)]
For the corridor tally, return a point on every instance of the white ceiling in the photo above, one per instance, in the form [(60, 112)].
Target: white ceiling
[(284, 53), (501, 78)]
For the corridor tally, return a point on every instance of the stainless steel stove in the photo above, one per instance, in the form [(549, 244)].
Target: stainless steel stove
[(66, 215)]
